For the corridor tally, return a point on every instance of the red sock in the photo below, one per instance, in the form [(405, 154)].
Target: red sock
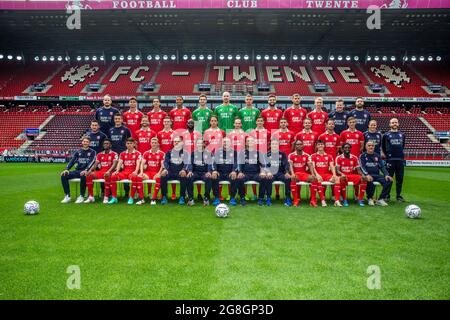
[(313, 189), (294, 191), (90, 185), (199, 189), (220, 192), (174, 189), (344, 190), (362, 190), (156, 190), (337, 191), (321, 191), (133, 187), (254, 189), (277, 190), (114, 180), (107, 187), (140, 187)]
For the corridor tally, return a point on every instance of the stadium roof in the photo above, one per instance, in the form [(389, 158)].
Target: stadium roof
[(425, 31)]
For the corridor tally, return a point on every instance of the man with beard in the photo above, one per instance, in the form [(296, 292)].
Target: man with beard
[(105, 115), (361, 115), (295, 115)]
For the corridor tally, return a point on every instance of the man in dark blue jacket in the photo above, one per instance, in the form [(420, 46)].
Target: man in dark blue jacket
[(372, 134), (83, 160), (224, 168), (339, 116), (278, 169), (251, 167), (361, 115), (119, 135), (97, 137), (174, 169), (199, 168), (105, 115), (371, 164), (393, 144)]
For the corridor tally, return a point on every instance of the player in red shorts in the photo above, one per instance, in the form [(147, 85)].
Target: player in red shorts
[(308, 137), (237, 136), (213, 135), (300, 164), (156, 116), (165, 136), (150, 169), (318, 116), (180, 115), (129, 160), (144, 136), (295, 115), (347, 166), (332, 140), (107, 160), (353, 137), (285, 138), (272, 115), (133, 117), (325, 171)]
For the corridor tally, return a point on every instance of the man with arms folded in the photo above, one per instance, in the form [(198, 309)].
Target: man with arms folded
[(105, 115), (295, 115), (339, 116), (318, 116), (202, 115), (226, 113), (248, 114)]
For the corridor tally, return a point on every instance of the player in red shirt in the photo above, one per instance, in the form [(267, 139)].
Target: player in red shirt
[(213, 136), (107, 161), (272, 115), (189, 136), (353, 137), (180, 115), (318, 116), (295, 115), (144, 136), (133, 117), (260, 135), (347, 166), (150, 169), (129, 160), (325, 171), (237, 136), (165, 136), (308, 137), (332, 140), (156, 116), (301, 171)]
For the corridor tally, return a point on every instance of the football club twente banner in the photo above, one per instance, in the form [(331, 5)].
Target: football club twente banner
[(220, 4)]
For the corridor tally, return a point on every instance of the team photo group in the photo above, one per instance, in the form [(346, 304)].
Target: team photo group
[(250, 151)]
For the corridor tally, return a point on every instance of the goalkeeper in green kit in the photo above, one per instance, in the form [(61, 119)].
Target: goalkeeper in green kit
[(202, 115), (226, 113), (248, 114)]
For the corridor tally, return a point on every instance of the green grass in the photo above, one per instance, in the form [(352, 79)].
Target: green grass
[(175, 252)]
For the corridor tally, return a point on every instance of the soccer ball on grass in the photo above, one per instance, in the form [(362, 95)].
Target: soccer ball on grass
[(412, 211), (31, 208), (222, 210)]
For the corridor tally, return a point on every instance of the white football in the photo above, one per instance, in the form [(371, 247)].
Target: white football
[(31, 207), (412, 211), (222, 210)]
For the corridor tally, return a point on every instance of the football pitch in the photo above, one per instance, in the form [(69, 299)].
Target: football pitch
[(174, 252)]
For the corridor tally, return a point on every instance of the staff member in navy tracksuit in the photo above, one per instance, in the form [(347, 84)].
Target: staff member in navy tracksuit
[(371, 164), (224, 168), (339, 116), (373, 135), (393, 144), (83, 159), (361, 115), (119, 135), (199, 168), (97, 137), (278, 170), (105, 115), (251, 167), (174, 169)]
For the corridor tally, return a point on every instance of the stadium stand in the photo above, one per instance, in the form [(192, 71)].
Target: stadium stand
[(14, 123), (63, 132), (439, 122)]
